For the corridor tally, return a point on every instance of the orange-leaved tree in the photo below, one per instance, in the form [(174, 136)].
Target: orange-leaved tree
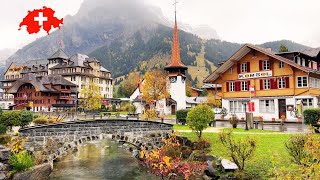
[(154, 86)]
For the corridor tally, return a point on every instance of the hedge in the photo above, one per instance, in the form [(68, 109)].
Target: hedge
[(311, 116)]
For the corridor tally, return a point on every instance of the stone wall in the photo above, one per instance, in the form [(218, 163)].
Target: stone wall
[(70, 134)]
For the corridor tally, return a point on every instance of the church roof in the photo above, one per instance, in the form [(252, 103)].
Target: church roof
[(60, 54), (175, 57)]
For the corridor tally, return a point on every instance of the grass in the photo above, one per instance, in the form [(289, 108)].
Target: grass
[(270, 148), (180, 127)]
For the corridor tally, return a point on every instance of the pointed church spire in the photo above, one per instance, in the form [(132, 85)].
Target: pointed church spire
[(175, 57)]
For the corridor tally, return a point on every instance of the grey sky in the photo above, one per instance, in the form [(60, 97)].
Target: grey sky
[(253, 21)]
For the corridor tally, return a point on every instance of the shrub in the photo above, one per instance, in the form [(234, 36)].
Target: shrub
[(25, 118), (10, 118), (21, 161), (132, 109), (3, 129), (182, 114), (199, 117), (311, 116), (148, 115), (40, 120), (5, 139), (295, 147), (234, 120), (16, 144), (240, 149)]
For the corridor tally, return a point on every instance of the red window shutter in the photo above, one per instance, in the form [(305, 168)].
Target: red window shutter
[(260, 65), (271, 64), (228, 89), (261, 84), (273, 83), (238, 68), (248, 66), (238, 86), (287, 82), (248, 85)]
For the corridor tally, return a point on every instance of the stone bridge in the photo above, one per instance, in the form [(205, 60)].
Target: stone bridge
[(70, 134)]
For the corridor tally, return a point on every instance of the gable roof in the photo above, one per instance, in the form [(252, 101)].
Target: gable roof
[(60, 54), (244, 50), (312, 52)]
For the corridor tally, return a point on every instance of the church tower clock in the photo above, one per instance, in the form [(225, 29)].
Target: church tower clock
[(176, 72)]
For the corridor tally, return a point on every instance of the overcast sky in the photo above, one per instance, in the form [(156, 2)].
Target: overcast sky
[(252, 21)]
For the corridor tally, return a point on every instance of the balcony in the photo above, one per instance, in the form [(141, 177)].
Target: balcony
[(64, 97)]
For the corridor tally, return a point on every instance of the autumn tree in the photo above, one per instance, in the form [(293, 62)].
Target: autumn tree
[(127, 87), (213, 102), (188, 88), (91, 97), (154, 86)]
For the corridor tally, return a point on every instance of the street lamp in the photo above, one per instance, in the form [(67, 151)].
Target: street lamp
[(244, 103)]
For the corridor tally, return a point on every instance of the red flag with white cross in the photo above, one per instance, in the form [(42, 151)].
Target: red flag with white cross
[(41, 18)]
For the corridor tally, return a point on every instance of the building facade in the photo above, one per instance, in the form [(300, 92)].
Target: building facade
[(43, 93), (78, 69), (276, 84)]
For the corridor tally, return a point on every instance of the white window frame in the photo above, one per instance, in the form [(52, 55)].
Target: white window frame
[(302, 78), (266, 64), (236, 107), (282, 83), (244, 86), (244, 67), (231, 71), (281, 65), (232, 86), (266, 84), (266, 106)]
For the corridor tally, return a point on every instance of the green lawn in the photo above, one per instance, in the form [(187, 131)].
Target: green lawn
[(180, 127), (270, 147)]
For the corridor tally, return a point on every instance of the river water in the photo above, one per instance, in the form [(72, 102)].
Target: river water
[(99, 160)]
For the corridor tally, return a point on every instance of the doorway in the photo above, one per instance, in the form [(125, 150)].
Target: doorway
[(173, 109), (282, 107)]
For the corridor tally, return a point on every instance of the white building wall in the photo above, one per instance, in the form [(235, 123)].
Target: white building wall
[(178, 92)]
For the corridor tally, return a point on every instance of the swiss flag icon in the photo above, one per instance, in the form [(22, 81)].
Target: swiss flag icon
[(41, 18)]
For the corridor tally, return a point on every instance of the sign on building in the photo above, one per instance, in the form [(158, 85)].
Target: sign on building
[(252, 75)]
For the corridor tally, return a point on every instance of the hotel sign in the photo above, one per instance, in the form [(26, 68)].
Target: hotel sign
[(261, 74)]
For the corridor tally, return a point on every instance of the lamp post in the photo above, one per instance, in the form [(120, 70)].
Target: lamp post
[(244, 103)]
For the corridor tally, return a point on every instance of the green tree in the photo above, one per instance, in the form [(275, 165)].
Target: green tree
[(199, 117), (91, 97), (240, 149), (283, 48)]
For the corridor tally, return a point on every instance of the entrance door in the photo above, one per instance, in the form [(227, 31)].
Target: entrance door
[(282, 107), (173, 109)]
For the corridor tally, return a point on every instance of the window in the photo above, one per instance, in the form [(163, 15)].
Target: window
[(281, 64), (266, 65), (314, 82), (244, 86), (83, 78), (266, 106), (282, 83), (306, 103), (231, 70), (236, 106), (244, 67), (302, 81), (232, 86), (73, 78), (266, 84)]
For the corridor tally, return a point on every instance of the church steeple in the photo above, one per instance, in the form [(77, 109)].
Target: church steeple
[(176, 65)]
